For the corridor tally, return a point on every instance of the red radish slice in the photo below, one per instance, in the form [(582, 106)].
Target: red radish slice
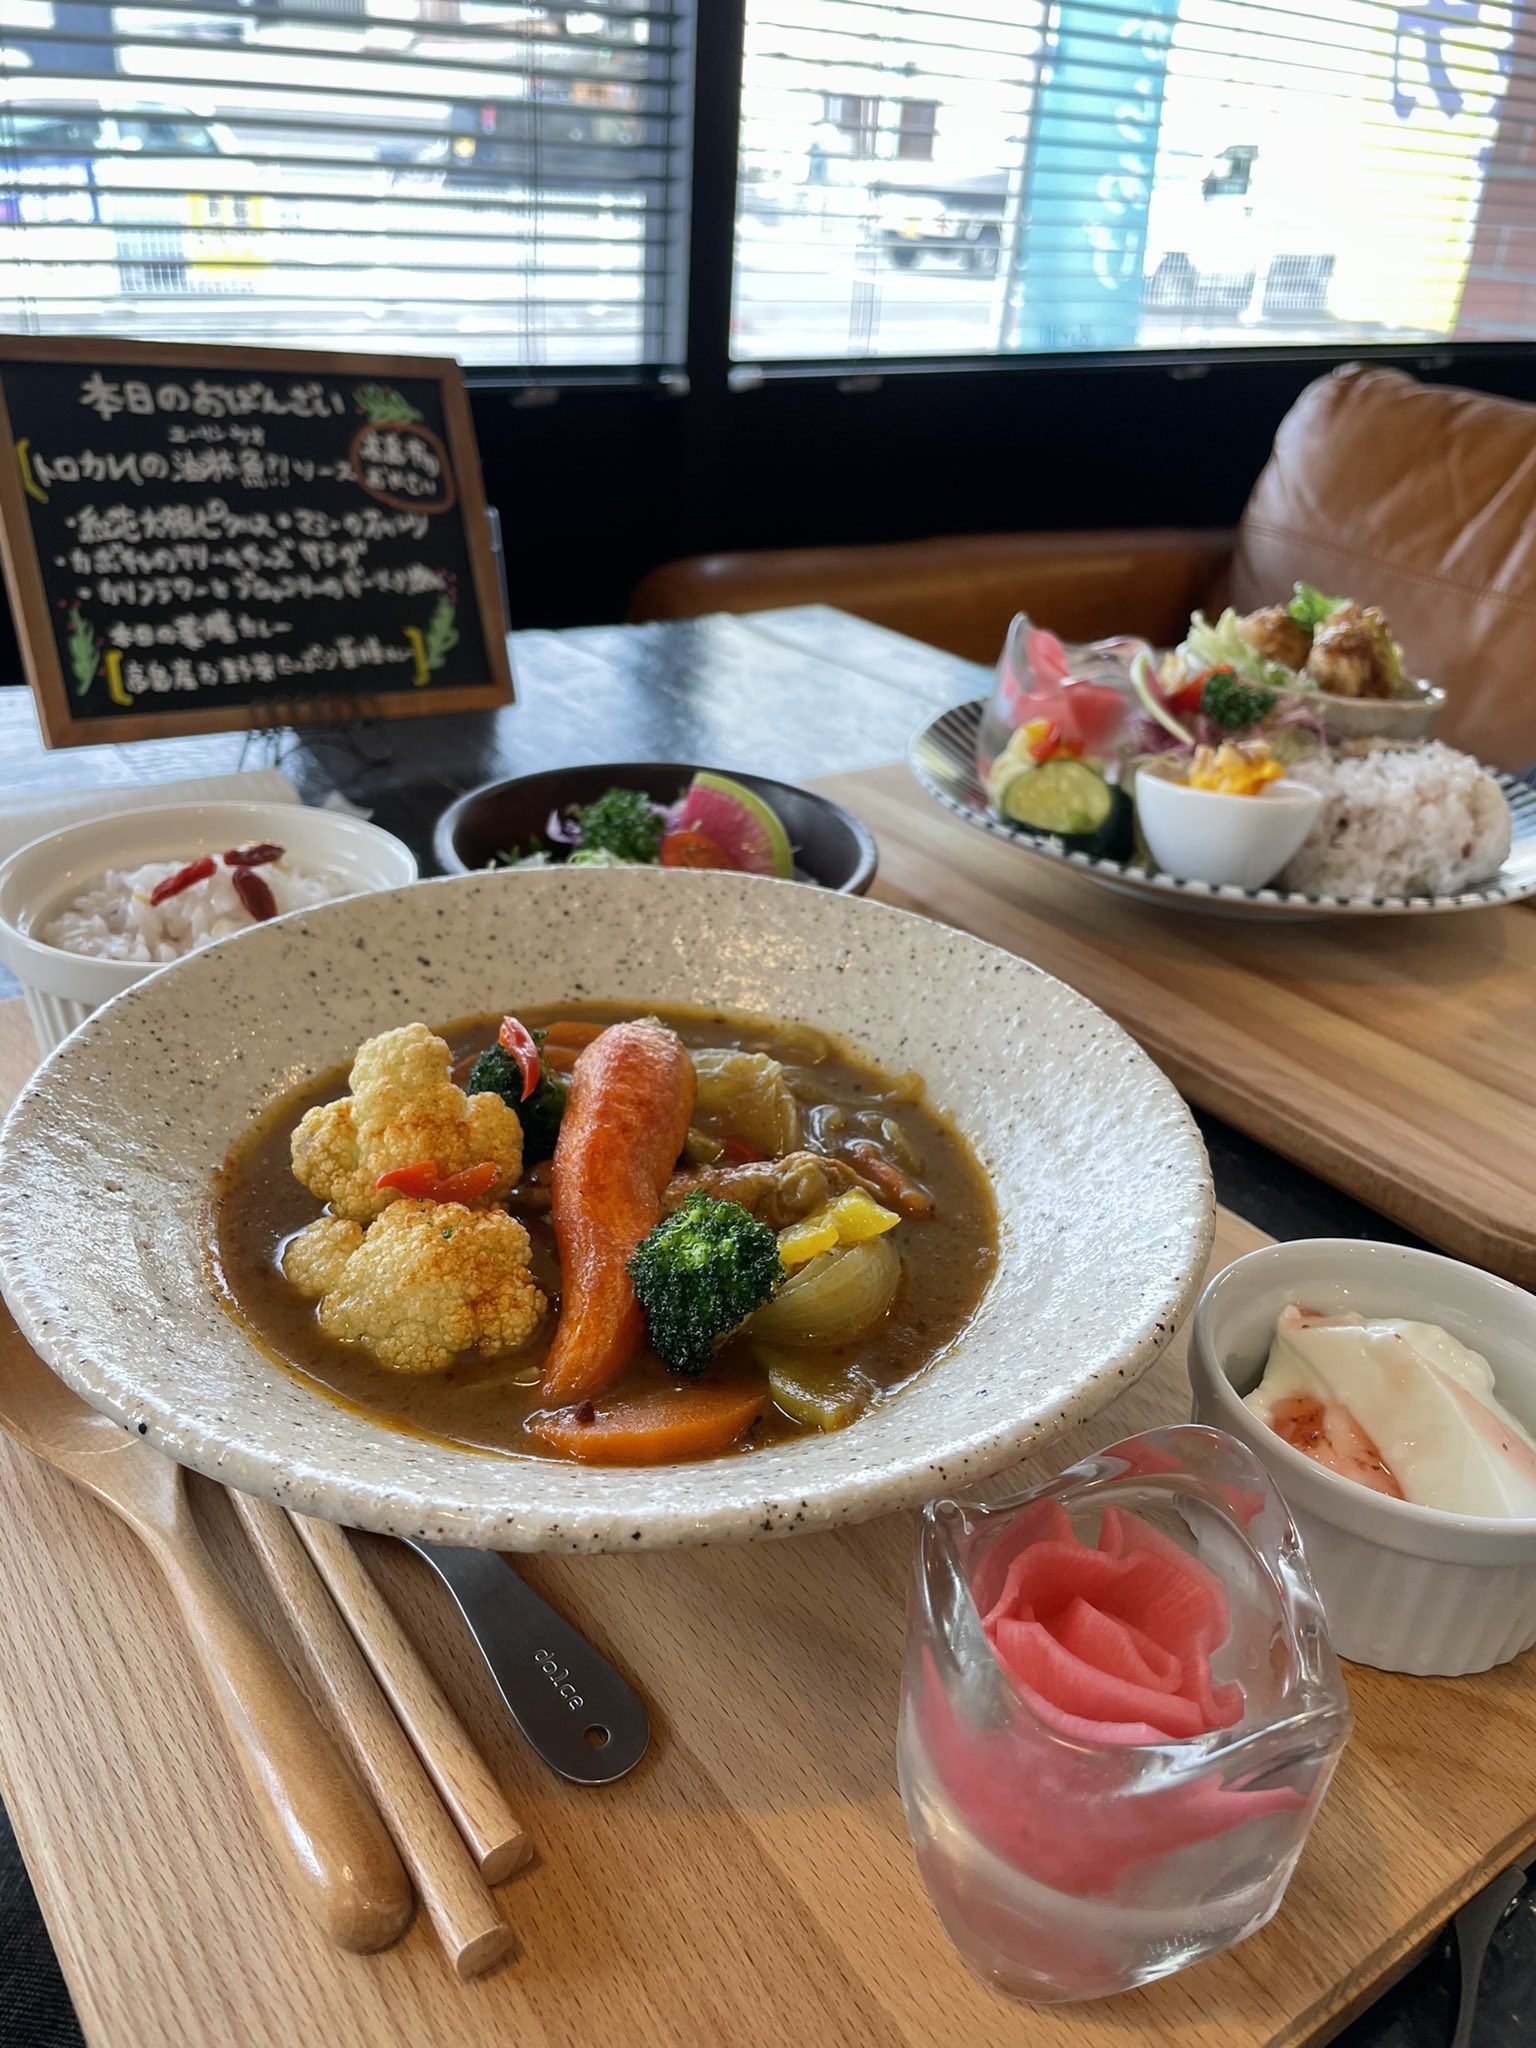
[(1176, 1612), (1048, 1575), (1115, 1647), (748, 832), (1078, 1688)]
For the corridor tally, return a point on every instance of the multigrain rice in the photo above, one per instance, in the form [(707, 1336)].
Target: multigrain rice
[(1400, 821)]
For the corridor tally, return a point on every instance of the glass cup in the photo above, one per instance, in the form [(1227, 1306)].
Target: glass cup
[(1065, 1866), (1040, 676)]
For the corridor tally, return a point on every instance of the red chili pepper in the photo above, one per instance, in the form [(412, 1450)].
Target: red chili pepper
[(422, 1182), (255, 894), (469, 1184), (1186, 700), (418, 1181), (253, 856), (517, 1040), (692, 849), (195, 871), (1044, 744), (738, 1153)]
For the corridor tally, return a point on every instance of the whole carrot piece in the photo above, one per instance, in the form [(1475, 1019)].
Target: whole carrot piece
[(627, 1114)]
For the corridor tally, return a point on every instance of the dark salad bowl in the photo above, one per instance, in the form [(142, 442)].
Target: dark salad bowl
[(829, 844)]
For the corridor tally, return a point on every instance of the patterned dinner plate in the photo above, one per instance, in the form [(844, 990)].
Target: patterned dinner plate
[(943, 758)]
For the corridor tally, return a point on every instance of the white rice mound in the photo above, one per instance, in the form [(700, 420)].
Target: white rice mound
[(114, 919), (1418, 820)]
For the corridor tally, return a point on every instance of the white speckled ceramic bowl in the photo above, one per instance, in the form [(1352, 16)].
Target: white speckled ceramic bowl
[(1102, 1185)]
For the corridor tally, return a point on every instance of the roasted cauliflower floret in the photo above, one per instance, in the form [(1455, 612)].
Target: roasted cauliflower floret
[(314, 1259), (403, 1107), (424, 1282)]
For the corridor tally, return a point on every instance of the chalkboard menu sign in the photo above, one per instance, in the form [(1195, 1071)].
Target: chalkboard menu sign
[(199, 539)]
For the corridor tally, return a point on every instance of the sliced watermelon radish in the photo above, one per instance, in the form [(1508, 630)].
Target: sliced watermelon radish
[(749, 834)]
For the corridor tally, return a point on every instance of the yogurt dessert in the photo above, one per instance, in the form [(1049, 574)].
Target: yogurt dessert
[(1399, 1406)]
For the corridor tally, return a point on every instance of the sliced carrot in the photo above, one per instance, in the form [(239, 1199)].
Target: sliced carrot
[(626, 1116), (661, 1427)]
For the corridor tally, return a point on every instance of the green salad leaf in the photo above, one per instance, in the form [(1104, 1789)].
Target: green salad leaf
[(1223, 646), (623, 822), (1309, 607)]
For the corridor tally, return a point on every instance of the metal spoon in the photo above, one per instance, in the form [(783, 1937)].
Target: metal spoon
[(339, 1859), (571, 1707)]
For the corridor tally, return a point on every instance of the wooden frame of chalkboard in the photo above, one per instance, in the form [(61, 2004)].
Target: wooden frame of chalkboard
[(135, 563)]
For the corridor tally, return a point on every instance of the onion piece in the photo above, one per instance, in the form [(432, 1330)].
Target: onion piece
[(743, 1095), (833, 1298)]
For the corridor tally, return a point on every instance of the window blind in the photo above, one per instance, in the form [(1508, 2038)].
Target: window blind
[(993, 176), (496, 180)]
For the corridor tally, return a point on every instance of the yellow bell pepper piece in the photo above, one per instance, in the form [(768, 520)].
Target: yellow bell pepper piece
[(850, 1219), (804, 1240)]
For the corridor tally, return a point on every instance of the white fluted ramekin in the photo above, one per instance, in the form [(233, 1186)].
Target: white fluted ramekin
[(62, 988), (1405, 1588)]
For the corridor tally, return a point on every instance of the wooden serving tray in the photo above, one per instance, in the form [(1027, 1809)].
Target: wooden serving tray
[(1393, 1056), (750, 1882)]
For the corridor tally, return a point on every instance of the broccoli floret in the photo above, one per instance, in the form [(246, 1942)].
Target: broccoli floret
[(495, 1072), (1233, 704), (623, 822), (700, 1274)]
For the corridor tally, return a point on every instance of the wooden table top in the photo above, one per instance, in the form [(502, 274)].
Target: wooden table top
[(1392, 1056), (750, 1881)]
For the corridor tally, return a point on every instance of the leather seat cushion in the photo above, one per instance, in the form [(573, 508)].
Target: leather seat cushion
[(1420, 499)]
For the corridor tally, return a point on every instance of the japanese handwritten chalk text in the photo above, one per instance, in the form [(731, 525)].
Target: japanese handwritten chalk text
[(211, 539)]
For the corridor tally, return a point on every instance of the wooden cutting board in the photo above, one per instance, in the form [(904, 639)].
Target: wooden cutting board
[(1393, 1056), (750, 1882)]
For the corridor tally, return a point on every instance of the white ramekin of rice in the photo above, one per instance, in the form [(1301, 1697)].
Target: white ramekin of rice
[(325, 854), (1405, 1588)]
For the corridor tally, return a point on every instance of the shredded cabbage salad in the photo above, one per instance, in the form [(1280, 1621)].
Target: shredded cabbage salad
[(1222, 646)]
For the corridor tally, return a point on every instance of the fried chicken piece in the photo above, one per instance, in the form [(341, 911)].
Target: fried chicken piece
[(777, 1191), (1353, 654), (1275, 636)]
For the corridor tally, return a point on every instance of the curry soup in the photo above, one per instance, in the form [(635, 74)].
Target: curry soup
[(947, 1256)]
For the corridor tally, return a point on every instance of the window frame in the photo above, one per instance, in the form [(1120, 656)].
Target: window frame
[(713, 34)]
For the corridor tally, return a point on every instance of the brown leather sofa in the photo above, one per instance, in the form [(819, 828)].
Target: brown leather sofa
[(1418, 498)]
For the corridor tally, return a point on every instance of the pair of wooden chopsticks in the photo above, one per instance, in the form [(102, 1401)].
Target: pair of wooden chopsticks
[(448, 1816)]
